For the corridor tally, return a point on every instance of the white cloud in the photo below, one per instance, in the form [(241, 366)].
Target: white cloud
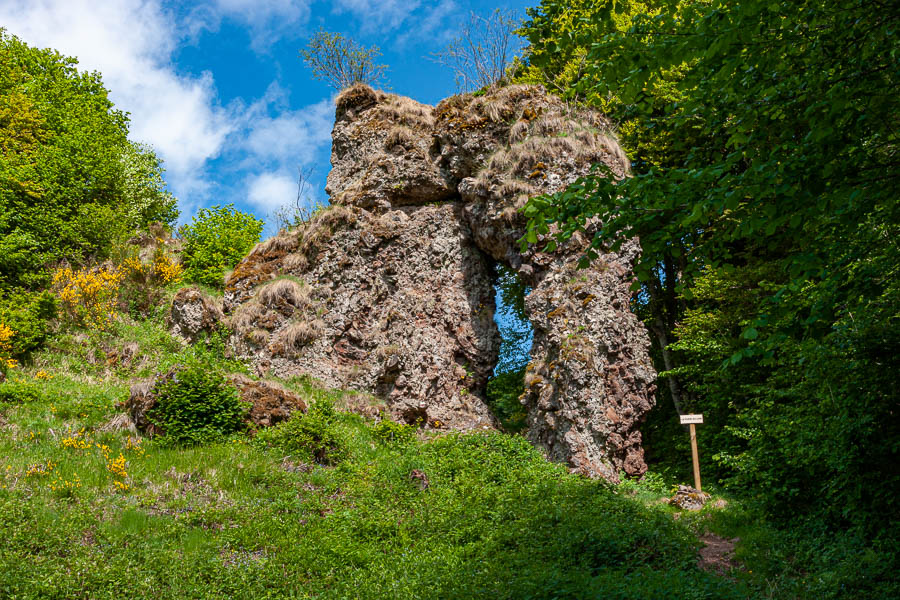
[(291, 136), (262, 11), (268, 20), (131, 43), (282, 146), (270, 191), (437, 24)]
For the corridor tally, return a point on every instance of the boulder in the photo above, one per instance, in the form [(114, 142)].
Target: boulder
[(193, 313)]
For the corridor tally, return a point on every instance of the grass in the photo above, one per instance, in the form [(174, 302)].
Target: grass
[(90, 510), (241, 520)]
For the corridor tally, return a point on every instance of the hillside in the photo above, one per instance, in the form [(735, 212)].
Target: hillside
[(92, 509)]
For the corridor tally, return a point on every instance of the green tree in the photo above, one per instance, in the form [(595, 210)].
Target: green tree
[(785, 129), (216, 240), (342, 62), (561, 34), (70, 180)]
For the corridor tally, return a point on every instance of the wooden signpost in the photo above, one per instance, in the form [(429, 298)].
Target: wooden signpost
[(693, 420)]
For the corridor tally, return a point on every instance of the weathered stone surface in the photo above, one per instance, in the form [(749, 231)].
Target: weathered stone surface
[(193, 313), (688, 498), (389, 290), (399, 304), (270, 403)]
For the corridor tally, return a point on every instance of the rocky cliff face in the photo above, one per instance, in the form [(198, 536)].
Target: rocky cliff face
[(390, 289)]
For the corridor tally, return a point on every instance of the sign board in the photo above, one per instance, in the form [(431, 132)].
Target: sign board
[(688, 419)]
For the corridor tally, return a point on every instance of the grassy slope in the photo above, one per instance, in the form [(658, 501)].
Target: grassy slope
[(239, 519)]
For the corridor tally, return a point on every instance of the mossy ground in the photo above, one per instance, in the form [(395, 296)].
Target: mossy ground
[(241, 519)]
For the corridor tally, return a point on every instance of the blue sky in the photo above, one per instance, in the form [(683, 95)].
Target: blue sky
[(217, 88)]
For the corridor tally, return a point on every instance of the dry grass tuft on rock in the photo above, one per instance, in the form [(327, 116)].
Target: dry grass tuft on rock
[(299, 334), (357, 97), (406, 111), (284, 242), (285, 291), (399, 136), (246, 316)]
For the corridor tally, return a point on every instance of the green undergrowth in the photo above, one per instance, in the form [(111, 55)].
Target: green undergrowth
[(325, 505)]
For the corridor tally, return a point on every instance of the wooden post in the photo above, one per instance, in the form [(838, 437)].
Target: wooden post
[(695, 457), (692, 421)]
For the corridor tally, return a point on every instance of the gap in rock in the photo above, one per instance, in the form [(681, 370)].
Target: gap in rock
[(516, 333)]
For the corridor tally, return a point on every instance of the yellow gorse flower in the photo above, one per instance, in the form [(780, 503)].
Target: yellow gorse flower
[(161, 270), (77, 441), (117, 466), (88, 297), (6, 336), (40, 469)]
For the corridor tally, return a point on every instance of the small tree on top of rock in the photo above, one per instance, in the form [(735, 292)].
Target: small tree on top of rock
[(342, 62), (481, 53)]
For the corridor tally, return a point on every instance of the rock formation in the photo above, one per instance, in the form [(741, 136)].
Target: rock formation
[(193, 313), (390, 289)]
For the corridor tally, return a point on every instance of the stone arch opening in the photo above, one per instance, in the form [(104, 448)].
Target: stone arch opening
[(507, 382)]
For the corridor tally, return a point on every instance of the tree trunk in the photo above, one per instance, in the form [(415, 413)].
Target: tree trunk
[(674, 389)]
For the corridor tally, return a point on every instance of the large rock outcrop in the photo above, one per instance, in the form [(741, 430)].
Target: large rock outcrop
[(390, 289)]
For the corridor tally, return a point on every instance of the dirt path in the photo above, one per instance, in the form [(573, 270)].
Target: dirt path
[(717, 554)]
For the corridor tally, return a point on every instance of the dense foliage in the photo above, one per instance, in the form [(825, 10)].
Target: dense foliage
[(197, 405), (71, 183), (313, 436), (26, 316), (215, 240), (777, 208)]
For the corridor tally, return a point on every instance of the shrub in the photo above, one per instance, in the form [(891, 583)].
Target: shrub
[(216, 240), (314, 435), (392, 433), (6, 359), (342, 62), (20, 392), (144, 281), (197, 405), (89, 296), (26, 317)]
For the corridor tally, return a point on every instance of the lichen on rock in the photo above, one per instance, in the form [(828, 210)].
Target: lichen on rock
[(393, 287)]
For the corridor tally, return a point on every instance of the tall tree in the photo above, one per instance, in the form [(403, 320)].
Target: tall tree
[(786, 131), (70, 180)]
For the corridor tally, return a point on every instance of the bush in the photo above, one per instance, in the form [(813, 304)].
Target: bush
[(20, 392), (25, 318), (143, 281), (196, 406), (313, 435), (393, 433), (216, 240), (89, 296), (6, 359)]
